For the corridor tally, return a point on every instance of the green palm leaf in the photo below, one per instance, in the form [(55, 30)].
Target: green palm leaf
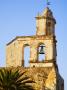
[(13, 80)]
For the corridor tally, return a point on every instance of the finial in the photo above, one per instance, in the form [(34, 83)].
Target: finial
[(48, 3)]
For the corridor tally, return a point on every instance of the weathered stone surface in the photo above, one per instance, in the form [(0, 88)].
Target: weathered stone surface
[(45, 35), (44, 73), (45, 78)]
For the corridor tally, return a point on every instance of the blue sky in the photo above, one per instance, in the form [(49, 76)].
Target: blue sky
[(17, 18)]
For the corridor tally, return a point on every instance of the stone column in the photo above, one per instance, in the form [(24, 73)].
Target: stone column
[(33, 53), (21, 55)]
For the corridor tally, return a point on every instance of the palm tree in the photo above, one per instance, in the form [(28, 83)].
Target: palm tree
[(13, 80)]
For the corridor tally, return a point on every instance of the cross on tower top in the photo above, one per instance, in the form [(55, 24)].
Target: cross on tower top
[(47, 3)]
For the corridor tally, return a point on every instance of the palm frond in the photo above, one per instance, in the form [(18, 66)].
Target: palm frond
[(14, 80)]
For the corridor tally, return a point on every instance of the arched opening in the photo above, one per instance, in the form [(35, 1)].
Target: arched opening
[(41, 52), (26, 55)]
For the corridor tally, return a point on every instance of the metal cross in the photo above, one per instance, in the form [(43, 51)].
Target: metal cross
[(48, 3)]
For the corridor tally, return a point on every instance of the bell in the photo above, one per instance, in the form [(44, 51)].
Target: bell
[(41, 50)]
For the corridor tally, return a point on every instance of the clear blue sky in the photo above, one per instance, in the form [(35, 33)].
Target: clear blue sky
[(17, 19)]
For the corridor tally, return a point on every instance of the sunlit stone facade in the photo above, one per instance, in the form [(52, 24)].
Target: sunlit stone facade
[(44, 72)]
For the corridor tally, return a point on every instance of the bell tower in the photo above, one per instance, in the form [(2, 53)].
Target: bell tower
[(45, 23), (45, 36), (44, 42)]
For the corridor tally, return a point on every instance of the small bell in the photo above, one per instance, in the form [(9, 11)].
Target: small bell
[(41, 50)]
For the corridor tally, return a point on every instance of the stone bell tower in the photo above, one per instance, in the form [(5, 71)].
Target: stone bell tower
[(45, 36), (45, 23), (45, 71)]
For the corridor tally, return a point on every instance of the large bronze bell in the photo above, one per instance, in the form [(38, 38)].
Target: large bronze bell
[(41, 50)]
